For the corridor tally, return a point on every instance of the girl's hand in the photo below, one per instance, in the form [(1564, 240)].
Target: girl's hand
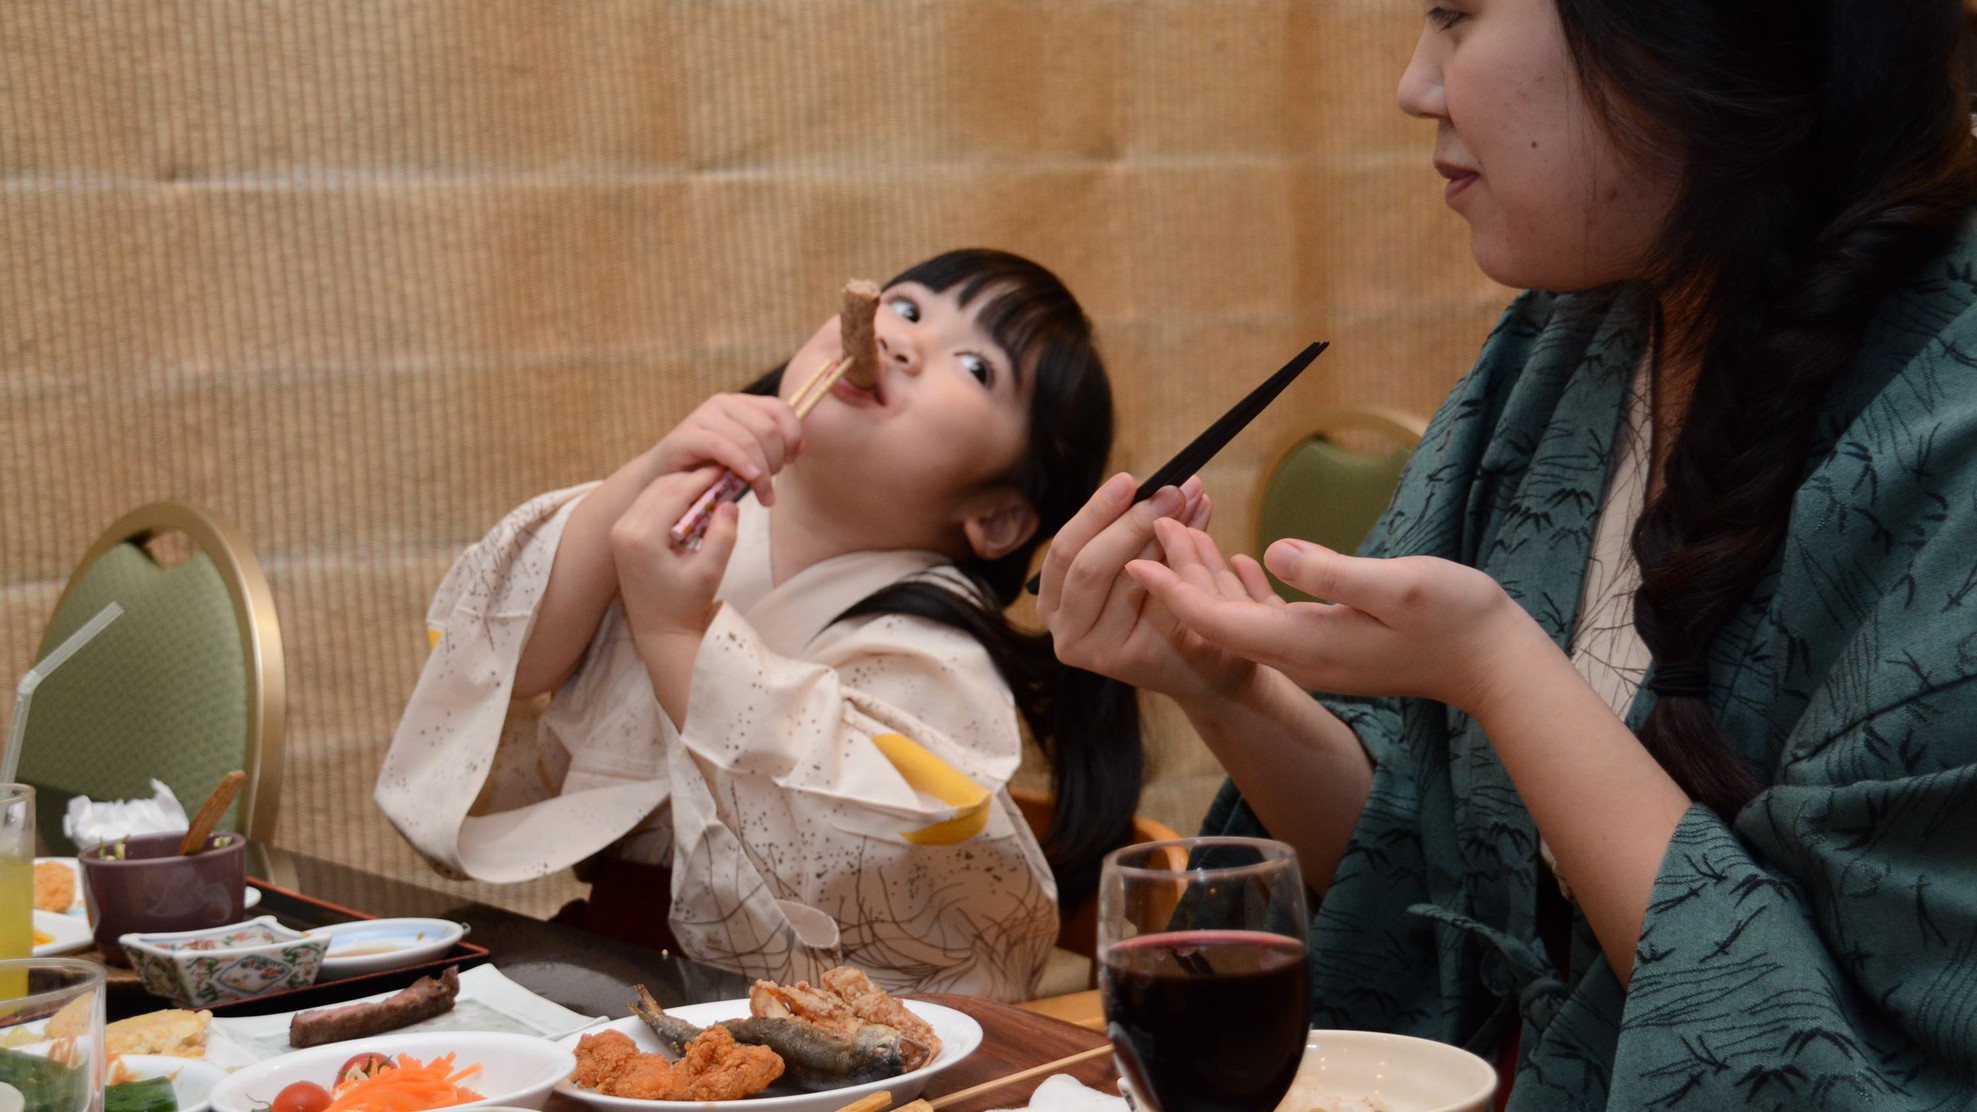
[(668, 592), (1103, 620), (750, 435), (1413, 626)]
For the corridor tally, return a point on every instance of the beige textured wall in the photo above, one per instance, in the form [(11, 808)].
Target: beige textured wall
[(360, 275)]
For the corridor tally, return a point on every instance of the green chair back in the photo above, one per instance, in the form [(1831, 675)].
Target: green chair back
[(184, 686), (1320, 490)]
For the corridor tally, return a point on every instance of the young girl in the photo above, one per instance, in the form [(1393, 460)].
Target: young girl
[(1648, 761), (789, 747)]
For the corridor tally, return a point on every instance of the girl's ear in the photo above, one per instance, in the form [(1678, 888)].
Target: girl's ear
[(998, 523)]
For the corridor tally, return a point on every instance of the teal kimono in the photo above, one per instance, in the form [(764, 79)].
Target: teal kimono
[(1819, 951)]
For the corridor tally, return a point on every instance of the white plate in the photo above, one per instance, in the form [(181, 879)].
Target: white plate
[(80, 909), (69, 933), (369, 945), (958, 1031), (517, 1071), (192, 1080), (1402, 1073)]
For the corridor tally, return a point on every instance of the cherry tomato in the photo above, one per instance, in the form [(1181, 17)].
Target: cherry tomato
[(360, 1066), (303, 1096)]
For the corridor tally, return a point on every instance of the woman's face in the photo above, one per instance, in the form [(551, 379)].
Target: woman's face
[(947, 419), (1551, 201)]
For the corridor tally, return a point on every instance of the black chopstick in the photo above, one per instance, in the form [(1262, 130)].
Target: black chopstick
[(1215, 437)]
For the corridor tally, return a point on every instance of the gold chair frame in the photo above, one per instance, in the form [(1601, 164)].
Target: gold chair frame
[(260, 631)]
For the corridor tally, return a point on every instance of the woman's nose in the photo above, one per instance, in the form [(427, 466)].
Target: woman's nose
[(1421, 93)]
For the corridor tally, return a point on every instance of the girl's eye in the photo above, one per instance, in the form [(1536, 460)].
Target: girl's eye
[(982, 369), (905, 307), (1444, 18)]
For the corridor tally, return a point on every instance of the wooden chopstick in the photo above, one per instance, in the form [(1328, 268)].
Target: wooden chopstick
[(820, 384), (1063, 1063), (209, 813)]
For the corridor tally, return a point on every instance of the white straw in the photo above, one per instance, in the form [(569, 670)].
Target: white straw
[(39, 672)]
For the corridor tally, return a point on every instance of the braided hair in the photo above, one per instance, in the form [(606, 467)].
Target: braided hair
[(1826, 154)]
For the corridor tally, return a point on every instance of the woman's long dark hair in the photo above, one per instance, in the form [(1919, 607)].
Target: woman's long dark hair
[(1087, 725), (1826, 153)]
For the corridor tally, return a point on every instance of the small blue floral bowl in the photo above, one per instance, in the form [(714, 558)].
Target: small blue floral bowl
[(219, 965)]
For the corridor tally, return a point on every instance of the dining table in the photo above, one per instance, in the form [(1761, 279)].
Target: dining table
[(591, 974)]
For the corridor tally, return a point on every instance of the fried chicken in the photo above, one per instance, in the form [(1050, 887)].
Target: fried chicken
[(715, 1067)]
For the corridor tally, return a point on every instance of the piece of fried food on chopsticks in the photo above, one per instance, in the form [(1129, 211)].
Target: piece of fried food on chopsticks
[(858, 330)]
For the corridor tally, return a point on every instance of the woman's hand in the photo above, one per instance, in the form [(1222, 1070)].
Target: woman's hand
[(1103, 620), (1415, 625), (668, 592), (750, 435)]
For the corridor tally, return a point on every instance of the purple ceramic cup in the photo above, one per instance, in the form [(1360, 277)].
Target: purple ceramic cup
[(152, 888)]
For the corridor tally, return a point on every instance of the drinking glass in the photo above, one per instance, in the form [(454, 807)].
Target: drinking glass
[(16, 878), (1201, 969), (51, 1034)]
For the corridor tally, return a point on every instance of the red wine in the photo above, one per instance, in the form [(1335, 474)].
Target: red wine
[(1207, 1021)]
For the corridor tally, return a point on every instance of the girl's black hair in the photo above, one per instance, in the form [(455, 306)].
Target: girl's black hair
[(1826, 154), (1087, 725)]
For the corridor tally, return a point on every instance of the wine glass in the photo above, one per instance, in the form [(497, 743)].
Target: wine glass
[(1201, 968)]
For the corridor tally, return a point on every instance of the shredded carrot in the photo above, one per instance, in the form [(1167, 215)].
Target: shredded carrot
[(406, 1085)]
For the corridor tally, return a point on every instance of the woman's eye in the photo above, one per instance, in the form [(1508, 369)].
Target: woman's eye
[(905, 308), (982, 369), (1444, 18)]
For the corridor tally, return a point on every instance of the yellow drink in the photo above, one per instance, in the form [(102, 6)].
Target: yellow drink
[(16, 920), (16, 883), (16, 907)]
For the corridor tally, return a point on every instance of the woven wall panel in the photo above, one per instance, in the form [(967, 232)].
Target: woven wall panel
[(360, 276)]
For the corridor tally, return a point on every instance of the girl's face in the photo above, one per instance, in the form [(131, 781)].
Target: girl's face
[(1550, 200), (926, 450)]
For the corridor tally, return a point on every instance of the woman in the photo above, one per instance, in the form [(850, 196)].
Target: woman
[(1671, 602), (789, 747)]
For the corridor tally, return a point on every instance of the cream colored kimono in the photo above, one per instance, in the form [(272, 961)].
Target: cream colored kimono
[(838, 792)]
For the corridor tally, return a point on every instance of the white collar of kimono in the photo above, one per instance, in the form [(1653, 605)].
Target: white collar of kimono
[(788, 615)]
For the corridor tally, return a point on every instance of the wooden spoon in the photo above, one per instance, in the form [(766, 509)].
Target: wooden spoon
[(210, 812)]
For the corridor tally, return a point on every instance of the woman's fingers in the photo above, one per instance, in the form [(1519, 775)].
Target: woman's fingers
[(1199, 511), (1253, 630), (1081, 571), (1112, 498), (1373, 585), (1255, 580)]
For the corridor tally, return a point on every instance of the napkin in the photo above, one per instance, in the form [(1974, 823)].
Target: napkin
[(88, 823), (1060, 1092)]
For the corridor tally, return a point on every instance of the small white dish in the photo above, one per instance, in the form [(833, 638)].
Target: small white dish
[(369, 945), (192, 1080), (516, 1071), (219, 965), (66, 934), (958, 1031), (80, 910), (1397, 1072)]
